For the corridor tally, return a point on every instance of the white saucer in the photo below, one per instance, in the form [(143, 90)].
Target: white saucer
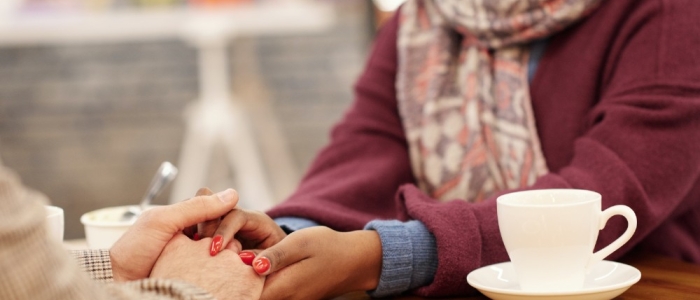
[(606, 280)]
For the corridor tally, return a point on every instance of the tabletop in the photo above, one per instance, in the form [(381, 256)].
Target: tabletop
[(662, 278)]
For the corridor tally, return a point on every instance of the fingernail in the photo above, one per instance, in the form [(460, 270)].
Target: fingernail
[(196, 236), (216, 244), (226, 196), (261, 265), (247, 257)]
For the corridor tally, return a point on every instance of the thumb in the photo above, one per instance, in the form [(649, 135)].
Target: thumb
[(201, 208), (290, 250)]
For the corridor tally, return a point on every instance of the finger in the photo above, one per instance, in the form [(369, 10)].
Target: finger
[(205, 191), (294, 248), (291, 283), (247, 256), (234, 245), (253, 229), (198, 209), (191, 231), (207, 228), (226, 229)]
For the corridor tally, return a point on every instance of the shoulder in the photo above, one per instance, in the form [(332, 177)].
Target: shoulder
[(647, 38)]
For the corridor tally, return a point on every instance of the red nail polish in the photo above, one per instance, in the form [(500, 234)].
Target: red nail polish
[(216, 244), (196, 237), (261, 265), (247, 257)]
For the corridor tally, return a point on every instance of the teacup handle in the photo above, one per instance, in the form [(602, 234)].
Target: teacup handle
[(631, 227)]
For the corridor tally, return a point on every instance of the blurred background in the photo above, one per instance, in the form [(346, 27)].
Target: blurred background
[(95, 94)]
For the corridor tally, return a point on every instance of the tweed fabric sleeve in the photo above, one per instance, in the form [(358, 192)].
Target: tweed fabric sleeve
[(35, 267), (157, 288), (95, 263)]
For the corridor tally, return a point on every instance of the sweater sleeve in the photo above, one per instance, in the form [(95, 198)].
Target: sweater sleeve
[(36, 267), (409, 256), (637, 145)]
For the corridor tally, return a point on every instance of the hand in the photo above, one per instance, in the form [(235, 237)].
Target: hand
[(135, 253), (318, 262), (224, 276), (251, 229)]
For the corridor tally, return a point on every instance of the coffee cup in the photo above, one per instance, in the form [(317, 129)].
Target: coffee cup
[(550, 235), (54, 222)]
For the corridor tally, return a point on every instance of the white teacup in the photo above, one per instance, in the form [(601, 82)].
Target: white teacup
[(550, 235), (54, 222)]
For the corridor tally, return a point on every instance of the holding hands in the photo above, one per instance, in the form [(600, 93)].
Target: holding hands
[(315, 262), (319, 262), (224, 276), (155, 246), (239, 229), (311, 263), (135, 253)]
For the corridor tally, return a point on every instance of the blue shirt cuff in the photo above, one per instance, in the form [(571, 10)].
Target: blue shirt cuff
[(291, 224), (409, 256)]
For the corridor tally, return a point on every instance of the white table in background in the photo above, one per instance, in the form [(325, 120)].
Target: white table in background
[(216, 118)]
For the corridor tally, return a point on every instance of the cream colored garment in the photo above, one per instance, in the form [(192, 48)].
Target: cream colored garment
[(463, 91), (35, 267)]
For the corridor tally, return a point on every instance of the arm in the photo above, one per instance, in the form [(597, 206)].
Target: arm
[(638, 146), (354, 178), (629, 151), (35, 267)]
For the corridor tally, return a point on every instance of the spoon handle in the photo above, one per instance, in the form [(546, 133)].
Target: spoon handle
[(166, 173)]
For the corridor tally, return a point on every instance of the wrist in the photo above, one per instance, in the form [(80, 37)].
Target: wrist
[(118, 273), (369, 266)]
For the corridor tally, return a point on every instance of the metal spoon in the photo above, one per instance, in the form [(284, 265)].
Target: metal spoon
[(166, 173)]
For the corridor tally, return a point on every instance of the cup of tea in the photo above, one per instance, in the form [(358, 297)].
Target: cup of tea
[(550, 235), (54, 222)]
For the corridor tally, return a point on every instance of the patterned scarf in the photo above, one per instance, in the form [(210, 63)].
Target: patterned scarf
[(463, 91)]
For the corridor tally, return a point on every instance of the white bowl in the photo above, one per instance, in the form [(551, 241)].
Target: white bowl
[(103, 227)]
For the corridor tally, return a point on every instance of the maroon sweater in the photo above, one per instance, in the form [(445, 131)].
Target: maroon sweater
[(617, 105)]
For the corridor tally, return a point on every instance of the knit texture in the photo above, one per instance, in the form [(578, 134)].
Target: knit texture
[(616, 101), (37, 267), (409, 256)]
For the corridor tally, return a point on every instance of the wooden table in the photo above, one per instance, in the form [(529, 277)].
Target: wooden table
[(662, 278)]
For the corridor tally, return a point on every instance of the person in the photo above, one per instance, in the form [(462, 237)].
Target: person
[(462, 101), (34, 267)]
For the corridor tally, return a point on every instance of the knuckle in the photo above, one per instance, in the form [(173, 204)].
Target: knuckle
[(198, 203), (277, 255), (151, 215), (304, 242), (222, 228)]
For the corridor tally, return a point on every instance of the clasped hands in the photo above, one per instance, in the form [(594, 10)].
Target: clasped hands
[(239, 254)]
